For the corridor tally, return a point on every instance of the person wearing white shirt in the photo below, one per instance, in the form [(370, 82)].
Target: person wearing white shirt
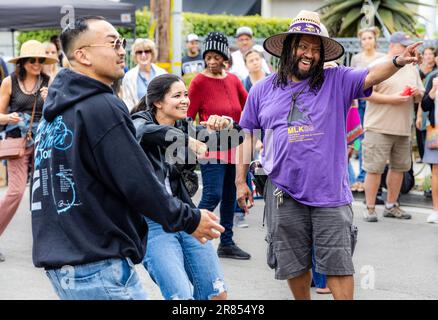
[(244, 42)]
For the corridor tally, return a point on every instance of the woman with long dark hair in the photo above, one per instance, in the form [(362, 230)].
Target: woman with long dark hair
[(18, 93), (181, 266)]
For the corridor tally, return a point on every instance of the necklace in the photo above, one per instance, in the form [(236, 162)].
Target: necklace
[(32, 91)]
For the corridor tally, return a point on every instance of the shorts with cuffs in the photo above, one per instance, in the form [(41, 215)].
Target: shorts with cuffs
[(293, 229), (379, 148)]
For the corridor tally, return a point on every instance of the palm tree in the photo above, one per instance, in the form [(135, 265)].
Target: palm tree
[(343, 18)]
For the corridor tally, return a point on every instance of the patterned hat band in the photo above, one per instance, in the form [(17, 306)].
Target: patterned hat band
[(305, 27), (306, 23)]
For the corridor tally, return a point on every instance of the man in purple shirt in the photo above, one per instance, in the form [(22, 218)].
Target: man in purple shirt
[(302, 111)]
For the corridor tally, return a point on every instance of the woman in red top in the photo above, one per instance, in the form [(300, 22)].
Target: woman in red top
[(216, 92)]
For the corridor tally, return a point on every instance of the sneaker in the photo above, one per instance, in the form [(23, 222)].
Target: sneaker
[(354, 187), (232, 252), (240, 222), (370, 214), (396, 212), (433, 217), (2, 257)]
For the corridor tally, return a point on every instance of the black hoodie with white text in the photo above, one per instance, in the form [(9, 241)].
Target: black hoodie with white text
[(92, 183)]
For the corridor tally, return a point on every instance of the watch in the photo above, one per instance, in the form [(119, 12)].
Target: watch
[(394, 61)]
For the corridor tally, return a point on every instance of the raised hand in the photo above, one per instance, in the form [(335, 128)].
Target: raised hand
[(411, 55)]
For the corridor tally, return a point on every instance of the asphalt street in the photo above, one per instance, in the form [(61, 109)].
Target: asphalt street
[(394, 259)]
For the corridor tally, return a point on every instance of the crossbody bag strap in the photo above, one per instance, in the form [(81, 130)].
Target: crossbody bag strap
[(29, 131)]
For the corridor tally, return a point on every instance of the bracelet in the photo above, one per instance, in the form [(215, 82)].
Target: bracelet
[(394, 61), (230, 120)]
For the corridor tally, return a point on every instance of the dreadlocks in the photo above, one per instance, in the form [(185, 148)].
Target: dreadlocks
[(288, 61)]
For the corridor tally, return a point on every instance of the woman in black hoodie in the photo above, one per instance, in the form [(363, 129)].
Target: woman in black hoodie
[(181, 266)]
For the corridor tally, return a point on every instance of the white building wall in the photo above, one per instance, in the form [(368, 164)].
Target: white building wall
[(288, 8), (6, 44)]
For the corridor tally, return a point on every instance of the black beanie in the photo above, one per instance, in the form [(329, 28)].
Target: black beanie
[(216, 42)]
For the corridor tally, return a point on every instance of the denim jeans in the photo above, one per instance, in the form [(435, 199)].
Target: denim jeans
[(319, 279), (351, 175), (112, 279), (181, 266), (219, 187)]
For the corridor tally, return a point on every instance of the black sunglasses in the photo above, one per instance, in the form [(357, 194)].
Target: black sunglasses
[(139, 52), (40, 60)]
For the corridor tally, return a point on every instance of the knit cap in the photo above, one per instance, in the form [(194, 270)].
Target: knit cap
[(217, 42)]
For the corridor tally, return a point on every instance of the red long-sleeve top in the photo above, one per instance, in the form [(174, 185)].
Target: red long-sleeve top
[(213, 96)]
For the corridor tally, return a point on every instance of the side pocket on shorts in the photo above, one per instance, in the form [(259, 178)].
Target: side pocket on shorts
[(353, 234), (270, 255)]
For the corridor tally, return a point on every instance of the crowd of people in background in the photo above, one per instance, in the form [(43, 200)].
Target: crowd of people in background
[(221, 89)]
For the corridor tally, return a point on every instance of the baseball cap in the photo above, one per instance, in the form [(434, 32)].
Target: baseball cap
[(243, 30), (192, 37), (402, 38)]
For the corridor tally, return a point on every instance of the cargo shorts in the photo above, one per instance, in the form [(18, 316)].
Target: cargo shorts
[(379, 148), (294, 229)]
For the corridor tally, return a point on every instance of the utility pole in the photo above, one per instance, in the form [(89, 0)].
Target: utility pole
[(162, 9), (176, 54)]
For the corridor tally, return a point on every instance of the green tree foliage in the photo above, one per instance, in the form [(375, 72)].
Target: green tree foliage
[(343, 18), (200, 24)]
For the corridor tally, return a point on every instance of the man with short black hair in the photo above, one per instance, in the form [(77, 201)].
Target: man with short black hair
[(93, 184)]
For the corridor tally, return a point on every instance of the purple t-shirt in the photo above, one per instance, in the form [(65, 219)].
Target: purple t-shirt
[(305, 147)]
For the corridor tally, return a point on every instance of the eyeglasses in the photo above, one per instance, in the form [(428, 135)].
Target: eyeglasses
[(116, 44), (34, 60), (140, 52)]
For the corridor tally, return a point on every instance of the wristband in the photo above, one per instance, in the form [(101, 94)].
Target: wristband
[(230, 125), (394, 61)]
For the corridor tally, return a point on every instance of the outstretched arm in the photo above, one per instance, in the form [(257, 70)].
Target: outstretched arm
[(382, 71)]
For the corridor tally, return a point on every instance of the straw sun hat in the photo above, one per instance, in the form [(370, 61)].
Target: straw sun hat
[(305, 23), (33, 49)]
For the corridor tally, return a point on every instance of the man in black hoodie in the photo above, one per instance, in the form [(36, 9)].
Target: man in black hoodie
[(92, 182)]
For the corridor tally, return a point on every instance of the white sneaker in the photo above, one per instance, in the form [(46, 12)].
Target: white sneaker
[(433, 217), (240, 222)]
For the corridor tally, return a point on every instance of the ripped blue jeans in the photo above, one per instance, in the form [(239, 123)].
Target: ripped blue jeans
[(110, 279), (181, 266)]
